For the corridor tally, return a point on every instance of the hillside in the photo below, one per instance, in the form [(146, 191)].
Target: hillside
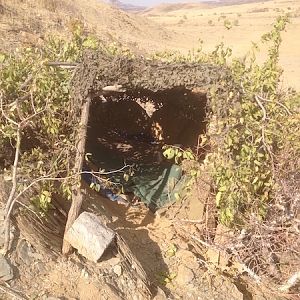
[(164, 27), (248, 22), (125, 6), (107, 22), (172, 7)]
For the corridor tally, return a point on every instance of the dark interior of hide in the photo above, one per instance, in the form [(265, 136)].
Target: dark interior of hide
[(132, 127)]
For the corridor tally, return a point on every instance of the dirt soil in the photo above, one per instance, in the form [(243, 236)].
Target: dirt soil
[(172, 264)]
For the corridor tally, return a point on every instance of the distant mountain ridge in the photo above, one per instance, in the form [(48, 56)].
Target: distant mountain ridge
[(194, 4), (232, 2), (167, 6), (125, 6)]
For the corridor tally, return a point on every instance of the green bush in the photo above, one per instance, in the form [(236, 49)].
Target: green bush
[(251, 128), (34, 97), (252, 123)]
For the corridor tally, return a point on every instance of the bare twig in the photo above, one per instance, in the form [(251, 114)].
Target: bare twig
[(277, 102), (10, 200), (11, 292), (4, 114), (246, 269), (114, 88), (292, 281), (192, 221), (62, 64), (262, 107)]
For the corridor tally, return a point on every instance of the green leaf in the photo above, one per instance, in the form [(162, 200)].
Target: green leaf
[(222, 188), (169, 153), (2, 57), (218, 198), (126, 177)]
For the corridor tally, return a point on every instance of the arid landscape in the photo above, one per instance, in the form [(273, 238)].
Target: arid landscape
[(182, 250), (249, 22), (164, 27)]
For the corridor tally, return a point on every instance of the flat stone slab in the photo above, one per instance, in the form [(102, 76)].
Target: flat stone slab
[(6, 271), (89, 236)]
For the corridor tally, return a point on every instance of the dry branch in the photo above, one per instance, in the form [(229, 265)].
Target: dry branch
[(76, 193), (114, 88), (293, 281), (61, 64), (10, 201), (11, 292), (11, 198)]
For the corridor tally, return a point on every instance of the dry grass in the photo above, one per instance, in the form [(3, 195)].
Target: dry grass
[(158, 29), (254, 19)]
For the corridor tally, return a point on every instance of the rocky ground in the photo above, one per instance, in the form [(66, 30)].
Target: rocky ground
[(173, 265)]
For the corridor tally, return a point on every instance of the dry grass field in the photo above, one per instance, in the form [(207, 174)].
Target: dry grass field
[(249, 22)]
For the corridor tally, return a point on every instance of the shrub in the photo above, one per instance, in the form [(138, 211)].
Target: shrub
[(252, 128), (227, 24), (34, 97)]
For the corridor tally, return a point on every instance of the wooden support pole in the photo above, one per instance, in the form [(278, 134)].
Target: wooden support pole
[(76, 192)]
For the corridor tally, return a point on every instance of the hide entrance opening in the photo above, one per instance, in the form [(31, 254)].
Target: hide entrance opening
[(129, 129)]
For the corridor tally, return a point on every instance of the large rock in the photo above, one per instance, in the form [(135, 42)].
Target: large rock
[(24, 252), (188, 259), (89, 236), (6, 271), (184, 275)]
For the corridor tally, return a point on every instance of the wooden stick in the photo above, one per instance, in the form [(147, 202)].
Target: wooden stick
[(76, 193), (114, 88), (11, 292), (292, 281), (10, 201), (62, 64)]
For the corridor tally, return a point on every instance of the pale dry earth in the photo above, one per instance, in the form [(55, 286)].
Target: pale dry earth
[(166, 27), (250, 21)]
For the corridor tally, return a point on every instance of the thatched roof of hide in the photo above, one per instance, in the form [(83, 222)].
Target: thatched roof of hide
[(99, 70)]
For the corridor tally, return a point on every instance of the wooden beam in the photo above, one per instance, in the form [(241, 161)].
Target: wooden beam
[(76, 192)]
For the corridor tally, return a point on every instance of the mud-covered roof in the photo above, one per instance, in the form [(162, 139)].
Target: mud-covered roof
[(99, 70)]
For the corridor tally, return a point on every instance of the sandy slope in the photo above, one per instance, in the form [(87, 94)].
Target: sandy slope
[(25, 21), (176, 27), (254, 19)]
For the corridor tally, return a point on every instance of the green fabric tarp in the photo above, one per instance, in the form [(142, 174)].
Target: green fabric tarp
[(158, 185), (155, 185)]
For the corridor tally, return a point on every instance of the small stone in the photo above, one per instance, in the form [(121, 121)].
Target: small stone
[(84, 273), (24, 252), (40, 267), (160, 295), (114, 219), (114, 261), (6, 271), (188, 259), (2, 236), (117, 270), (184, 275)]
